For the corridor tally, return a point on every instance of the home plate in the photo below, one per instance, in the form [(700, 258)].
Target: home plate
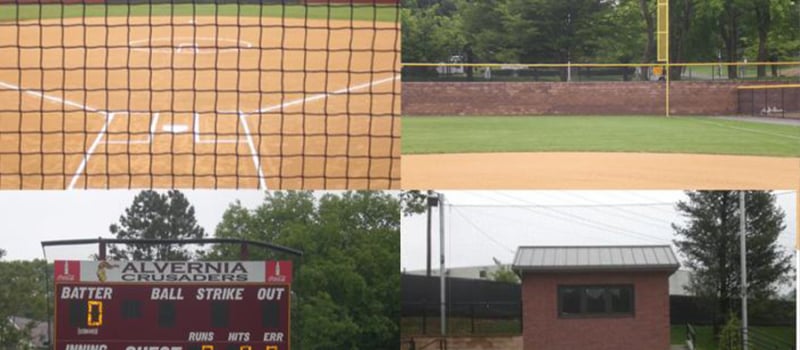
[(175, 128)]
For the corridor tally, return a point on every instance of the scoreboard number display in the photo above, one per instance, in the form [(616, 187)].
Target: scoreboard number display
[(172, 305)]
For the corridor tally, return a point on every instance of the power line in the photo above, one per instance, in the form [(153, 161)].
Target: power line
[(661, 204), (527, 223), (632, 215), (596, 225), (482, 232)]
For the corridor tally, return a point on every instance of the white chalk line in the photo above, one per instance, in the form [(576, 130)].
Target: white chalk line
[(88, 154), (243, 117), (198, 133), (191, 43), (749, 130), (50, 98), (328, 94), (262, 183), (146, 141), (90, 151)]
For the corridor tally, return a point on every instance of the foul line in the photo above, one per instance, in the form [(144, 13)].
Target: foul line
[(243, 117), (88, 154), (253, 152), (50, 98), (90, 151), (244, 120), (748, 130), (328, 94)]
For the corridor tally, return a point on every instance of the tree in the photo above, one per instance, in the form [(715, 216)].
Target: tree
[(504, 274), (710, 242), (763, 18), (561, 31), (598, 31), (784, 38), (431, 32), (22, 294), (414, 202), (156, 216), (730, 337), (647, 13), (349, 270), (488, 31)]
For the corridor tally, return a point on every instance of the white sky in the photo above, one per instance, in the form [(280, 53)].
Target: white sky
[(476, 234), (29, 217)]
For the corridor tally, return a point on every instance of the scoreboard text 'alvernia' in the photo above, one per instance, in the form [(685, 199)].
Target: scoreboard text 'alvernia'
[(172, 305)]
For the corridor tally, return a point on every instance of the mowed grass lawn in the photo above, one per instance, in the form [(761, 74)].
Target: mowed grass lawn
[(426, 135), (705, 335), (342, 12)]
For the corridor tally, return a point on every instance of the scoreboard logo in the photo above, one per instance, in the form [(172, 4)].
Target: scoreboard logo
[(67, 271), (101, 270), (274, 274)]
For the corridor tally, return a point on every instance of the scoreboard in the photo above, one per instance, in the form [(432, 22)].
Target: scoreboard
[(172, 305)]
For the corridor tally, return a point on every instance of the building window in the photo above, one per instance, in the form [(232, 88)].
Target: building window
[(595, 301)]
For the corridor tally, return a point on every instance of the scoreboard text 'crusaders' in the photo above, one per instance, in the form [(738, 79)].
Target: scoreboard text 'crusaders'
[(172, 305)]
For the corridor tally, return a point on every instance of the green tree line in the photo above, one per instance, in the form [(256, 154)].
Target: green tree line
[(346, 287), (599, 31)]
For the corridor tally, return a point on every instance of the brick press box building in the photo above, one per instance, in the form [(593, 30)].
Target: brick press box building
[(595, 297)]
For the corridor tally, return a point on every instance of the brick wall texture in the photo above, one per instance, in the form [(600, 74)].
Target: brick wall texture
[(647, 329), (576, 98)]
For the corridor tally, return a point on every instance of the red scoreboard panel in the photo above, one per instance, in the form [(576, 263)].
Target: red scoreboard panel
[(126, 305)]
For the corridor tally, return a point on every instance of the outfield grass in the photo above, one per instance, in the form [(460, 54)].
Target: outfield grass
[(365, 13), (705, 335), (427, 135)]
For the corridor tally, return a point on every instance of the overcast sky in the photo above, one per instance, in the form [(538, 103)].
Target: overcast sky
[(29, 217), (481, 225)]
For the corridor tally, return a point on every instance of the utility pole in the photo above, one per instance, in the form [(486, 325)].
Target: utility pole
[(443, 320), (431, 202), (743, 253)]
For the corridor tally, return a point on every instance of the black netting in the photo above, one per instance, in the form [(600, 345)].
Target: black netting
[(202, 94)]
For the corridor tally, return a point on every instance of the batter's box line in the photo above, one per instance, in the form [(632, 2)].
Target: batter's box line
[(153, 132), (243, 117), (150, 136), (198, 134), (262, 182)]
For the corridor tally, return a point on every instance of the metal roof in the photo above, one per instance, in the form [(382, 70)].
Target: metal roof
[(582, 258)]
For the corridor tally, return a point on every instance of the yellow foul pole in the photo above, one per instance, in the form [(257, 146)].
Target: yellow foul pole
[(662, 37)]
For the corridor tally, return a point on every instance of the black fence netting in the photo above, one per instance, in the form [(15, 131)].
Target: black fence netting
[(488, 307), (199, 94)]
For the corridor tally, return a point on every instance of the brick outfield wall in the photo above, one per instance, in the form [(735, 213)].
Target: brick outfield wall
[(648, 329), (575, 98)]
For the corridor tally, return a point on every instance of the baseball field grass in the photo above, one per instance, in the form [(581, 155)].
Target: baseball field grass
[(334, 12), (705, 335), (694, 135)]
